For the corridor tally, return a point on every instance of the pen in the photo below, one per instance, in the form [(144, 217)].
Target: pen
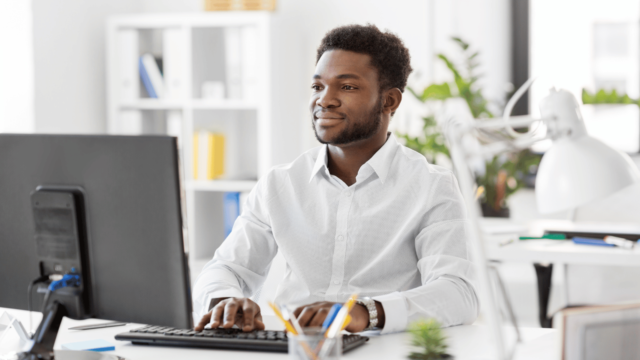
[(590, 241), (621, 242), (332, 315), (545, 237), (335, 327)]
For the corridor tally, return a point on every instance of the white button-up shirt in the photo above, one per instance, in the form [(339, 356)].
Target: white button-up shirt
[(397, 235)]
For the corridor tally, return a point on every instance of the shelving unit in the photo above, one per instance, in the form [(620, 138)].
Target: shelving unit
[(228, 47)]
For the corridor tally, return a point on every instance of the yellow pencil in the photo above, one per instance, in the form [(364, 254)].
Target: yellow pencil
[(285, 322), (291, 330), (346, 322)]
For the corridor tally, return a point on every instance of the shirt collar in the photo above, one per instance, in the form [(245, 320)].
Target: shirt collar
[(321, 161), (380, 162)]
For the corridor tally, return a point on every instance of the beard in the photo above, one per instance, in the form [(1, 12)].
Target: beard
[(364, 129)]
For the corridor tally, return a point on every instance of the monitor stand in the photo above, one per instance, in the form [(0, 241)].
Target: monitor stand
[(45, 338)]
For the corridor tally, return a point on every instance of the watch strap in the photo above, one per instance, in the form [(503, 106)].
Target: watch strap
[(370, 304)]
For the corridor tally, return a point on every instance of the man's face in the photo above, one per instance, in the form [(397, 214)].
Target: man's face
[(346, 105)]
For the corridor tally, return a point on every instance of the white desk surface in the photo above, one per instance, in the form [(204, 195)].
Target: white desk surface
[(499, 247), (465, 342)]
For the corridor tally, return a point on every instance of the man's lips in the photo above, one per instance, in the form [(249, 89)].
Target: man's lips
[(327, 119)]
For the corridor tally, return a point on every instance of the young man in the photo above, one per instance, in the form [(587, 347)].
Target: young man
[(360, 214)]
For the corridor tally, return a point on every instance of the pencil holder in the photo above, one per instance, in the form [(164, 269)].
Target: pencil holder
[(315, 347)]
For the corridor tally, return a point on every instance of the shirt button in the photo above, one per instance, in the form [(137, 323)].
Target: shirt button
[(349, 194), (340, 237), (337, 282)]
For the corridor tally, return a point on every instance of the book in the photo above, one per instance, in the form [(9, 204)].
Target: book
[(208, 155), (231, 210), (151, 76), (599, 331)]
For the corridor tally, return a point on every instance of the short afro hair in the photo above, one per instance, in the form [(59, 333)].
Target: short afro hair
[(388, 53)]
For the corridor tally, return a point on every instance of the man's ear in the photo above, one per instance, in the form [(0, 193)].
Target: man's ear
[(392, 100)]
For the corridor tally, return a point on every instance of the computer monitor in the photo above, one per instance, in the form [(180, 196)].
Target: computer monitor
[(126, 191)]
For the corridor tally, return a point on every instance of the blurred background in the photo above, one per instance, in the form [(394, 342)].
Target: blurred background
[(235, 75)]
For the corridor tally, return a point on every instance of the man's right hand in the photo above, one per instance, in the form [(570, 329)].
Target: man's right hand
[(233, 311)]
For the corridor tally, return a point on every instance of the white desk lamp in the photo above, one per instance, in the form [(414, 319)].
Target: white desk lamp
[(576, 170)]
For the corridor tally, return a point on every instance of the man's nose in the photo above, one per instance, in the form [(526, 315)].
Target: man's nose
[(328, 99)]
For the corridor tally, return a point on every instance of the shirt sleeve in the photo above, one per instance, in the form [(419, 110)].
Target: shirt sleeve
[(241, 264), (447, 273)]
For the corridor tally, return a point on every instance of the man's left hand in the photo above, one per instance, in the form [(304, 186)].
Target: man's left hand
[(313, 315)]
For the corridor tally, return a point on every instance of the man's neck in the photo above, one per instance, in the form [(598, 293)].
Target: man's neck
[(344, 161)]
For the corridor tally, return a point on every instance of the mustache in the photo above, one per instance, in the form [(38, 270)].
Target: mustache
[(315, 113)]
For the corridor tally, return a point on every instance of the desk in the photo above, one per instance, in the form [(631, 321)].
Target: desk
[(465, 342), (506, 247)]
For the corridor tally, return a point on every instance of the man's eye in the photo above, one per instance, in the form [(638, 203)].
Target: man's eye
[(315, 87), (348, 87)]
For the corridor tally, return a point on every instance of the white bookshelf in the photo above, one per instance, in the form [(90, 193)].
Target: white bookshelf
[(228, 47)]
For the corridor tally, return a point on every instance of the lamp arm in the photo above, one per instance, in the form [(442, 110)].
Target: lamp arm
[(486, 294), (522, 120), (509, 107), (492, 149)]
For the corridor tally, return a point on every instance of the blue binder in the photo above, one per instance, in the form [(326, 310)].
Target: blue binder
[(231, 210), (145, 80)]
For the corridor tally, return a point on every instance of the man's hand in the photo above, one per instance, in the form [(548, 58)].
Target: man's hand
[(233, 311), (314, 314)]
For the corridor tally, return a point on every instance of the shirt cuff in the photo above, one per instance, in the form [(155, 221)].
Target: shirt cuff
[(395, 312), (213, 284)]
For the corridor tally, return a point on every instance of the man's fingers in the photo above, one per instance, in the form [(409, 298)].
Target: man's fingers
[(248, 312), (216, 315), (258, 324), (203, 322), (298, 310), (318, 318), (306, 315), (230, 311)]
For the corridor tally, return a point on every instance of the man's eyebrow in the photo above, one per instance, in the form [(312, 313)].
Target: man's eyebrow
[(347, 76), (341, 76)]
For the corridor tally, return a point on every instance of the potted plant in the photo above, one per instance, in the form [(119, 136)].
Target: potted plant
[(427, 336), (503, 174)]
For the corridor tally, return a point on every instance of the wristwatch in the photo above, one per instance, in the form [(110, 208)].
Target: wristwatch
[(370, 304)]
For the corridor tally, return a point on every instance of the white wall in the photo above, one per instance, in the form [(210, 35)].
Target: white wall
[(69, 47), (486, 26), (16, 67), (69, 54)]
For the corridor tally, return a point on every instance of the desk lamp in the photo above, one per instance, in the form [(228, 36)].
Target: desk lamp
[(576, 170)]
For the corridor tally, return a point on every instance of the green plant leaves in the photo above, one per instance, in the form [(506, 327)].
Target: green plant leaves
[(431, 142), (427, 335), (604, 97), (433, 92)]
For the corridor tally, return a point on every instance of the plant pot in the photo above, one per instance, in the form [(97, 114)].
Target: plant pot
[(443, 357), (488, 211)]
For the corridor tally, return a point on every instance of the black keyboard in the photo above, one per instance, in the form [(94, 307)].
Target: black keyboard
[(234, 339)]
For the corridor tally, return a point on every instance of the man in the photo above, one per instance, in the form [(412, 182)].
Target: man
[(361, 214)]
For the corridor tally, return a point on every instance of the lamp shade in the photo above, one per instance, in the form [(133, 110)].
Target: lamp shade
[(577, 171)]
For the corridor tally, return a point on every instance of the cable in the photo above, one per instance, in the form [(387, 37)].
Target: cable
[(29, 291)]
